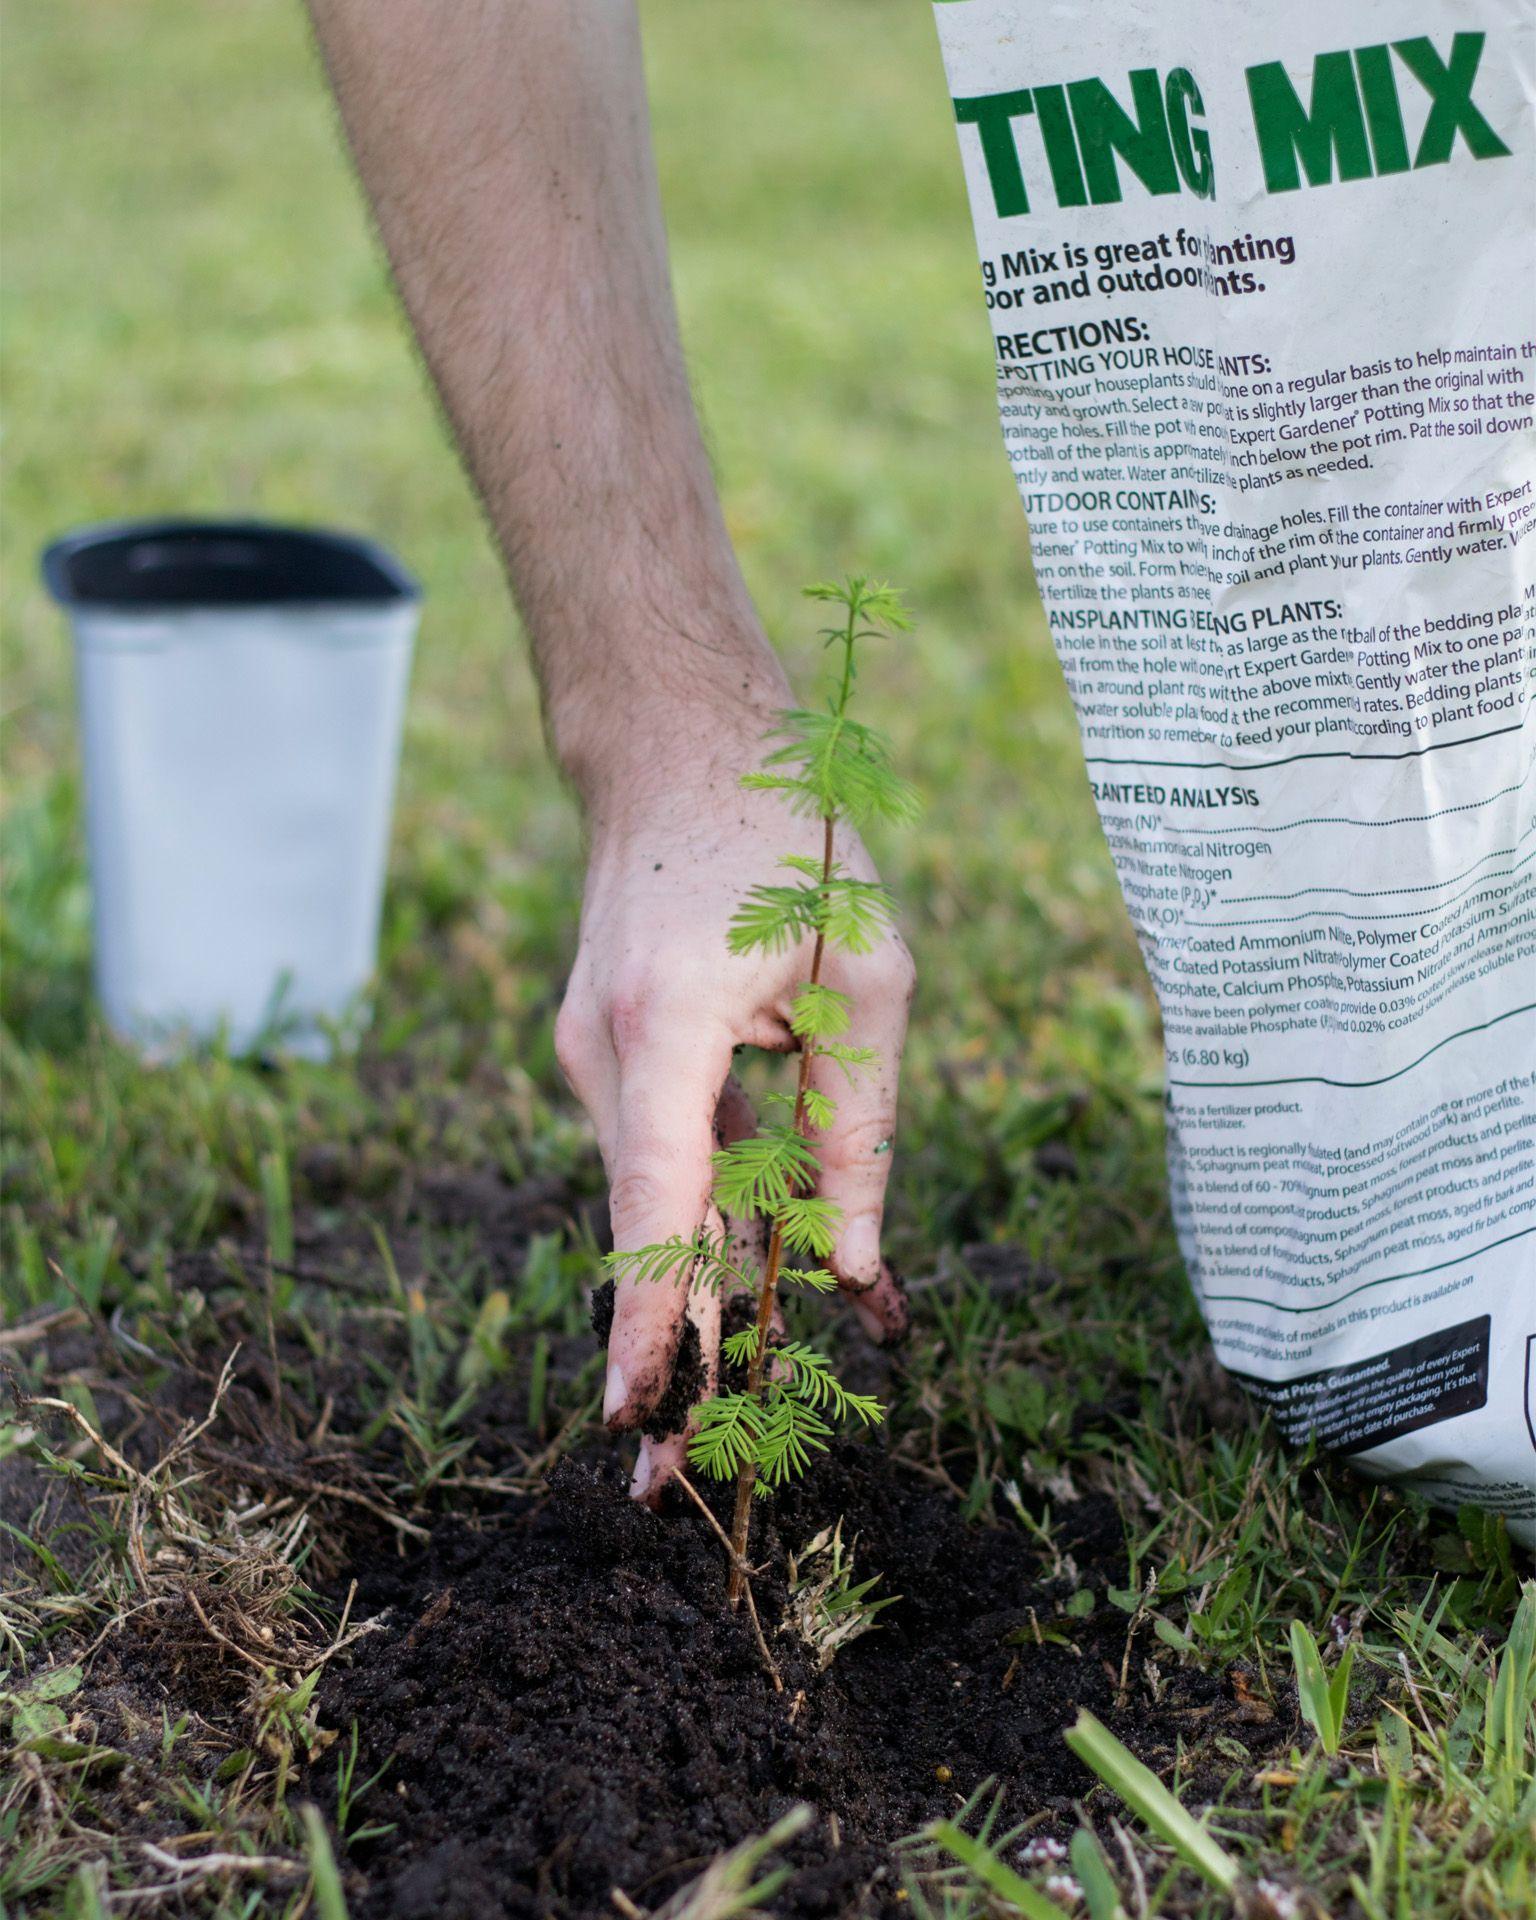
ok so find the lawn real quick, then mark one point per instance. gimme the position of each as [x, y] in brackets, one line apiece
[399, 1246]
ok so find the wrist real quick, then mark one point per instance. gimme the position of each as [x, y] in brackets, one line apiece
[680, 721]
[670, 765]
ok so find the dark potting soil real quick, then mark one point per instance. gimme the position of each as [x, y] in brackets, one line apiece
[559, 1700]
[563, 1705]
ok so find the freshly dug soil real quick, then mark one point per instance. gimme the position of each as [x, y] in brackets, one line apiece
[564, 1705]
[557, 1696]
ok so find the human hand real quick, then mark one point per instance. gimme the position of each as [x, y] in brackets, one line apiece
[655, 1008]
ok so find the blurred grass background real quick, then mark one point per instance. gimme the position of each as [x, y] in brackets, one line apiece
[198, 322]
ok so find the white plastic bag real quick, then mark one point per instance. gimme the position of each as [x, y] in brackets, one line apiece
[1263, 286]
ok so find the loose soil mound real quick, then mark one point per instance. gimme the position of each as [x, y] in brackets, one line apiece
[564, 1706]
[557, 1701]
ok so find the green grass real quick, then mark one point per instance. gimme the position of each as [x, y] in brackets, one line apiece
[196, 321]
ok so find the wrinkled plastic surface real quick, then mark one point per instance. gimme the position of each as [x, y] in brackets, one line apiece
[239, 765]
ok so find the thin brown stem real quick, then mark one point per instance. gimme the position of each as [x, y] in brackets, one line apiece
[746, 1478]
[739, 1571]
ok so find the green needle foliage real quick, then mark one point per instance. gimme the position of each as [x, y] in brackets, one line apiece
[835, 769]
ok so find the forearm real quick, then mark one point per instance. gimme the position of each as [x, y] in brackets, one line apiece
[505, 148]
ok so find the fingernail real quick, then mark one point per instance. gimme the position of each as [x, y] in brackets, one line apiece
[654, 1468]
[869, 1320]
[858, 1251]
[615, 1392]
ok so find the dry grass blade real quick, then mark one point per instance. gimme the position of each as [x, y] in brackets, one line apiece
[187, 1877]
[39, 1329]
[193, 1547]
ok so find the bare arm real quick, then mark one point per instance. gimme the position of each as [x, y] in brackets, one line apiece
[505, 147]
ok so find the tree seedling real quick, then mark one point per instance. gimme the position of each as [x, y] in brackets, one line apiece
[835, 769]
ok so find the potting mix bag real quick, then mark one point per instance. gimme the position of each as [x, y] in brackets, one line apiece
[1263, 287]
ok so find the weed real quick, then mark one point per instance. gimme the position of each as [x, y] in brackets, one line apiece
[349, 1791]
[958, 1869]
[828, 1608]
[1324, 1697]
[727, 1886]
